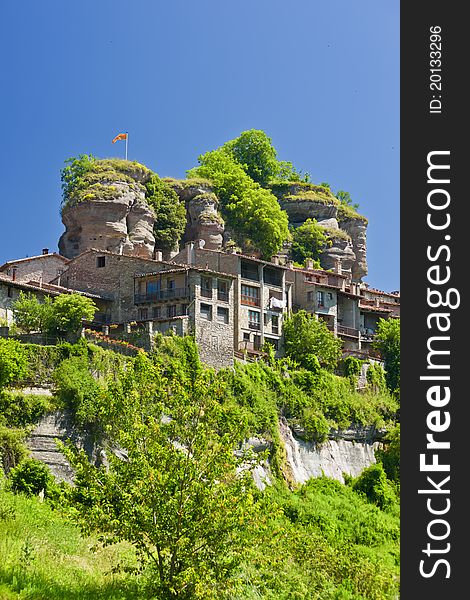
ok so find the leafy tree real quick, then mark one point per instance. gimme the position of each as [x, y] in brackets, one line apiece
[251, 212]
[30, 477]
[68, 311]
[372, 482]
[32, 315]
[387, 341]
[254, 151]
[305, 335]
[178, 495]
[308, 241]
[345, 198]
[170, 213]
[13, 362]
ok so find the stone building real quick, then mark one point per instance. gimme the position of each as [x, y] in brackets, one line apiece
[42, 268]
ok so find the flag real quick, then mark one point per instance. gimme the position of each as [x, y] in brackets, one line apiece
[120, 136]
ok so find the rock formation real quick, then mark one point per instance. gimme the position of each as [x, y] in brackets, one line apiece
[202, 209]
[346, 230]
[115, 217]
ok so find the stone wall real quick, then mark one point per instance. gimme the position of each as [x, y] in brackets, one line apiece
[38, 268]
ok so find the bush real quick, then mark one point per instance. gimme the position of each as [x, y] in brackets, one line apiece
[13, 362]
[372, 482]
[12, 447]
[30, 477]
[20, 410]
[308, 241]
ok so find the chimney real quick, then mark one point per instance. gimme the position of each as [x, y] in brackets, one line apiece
[190, 258]
[45, 251]
[158, 255]
[13, 273]
[275, 259]
[309, 264]
[338, 268]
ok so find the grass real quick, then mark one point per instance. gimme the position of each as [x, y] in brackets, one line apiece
[44, 557]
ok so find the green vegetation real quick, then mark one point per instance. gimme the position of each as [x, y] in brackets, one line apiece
[13, 362]
[308, 241]
[307, 338]
[387, 341]
[250, 211]
[193, 528]
[170, 213]
[63, 314]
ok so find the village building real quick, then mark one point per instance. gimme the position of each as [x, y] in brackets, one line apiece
[42, 268]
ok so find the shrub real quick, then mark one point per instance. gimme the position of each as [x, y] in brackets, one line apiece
[13, 362]
[12, 447]
[19, 410]
[308, 241]
[372, 482]
[170, 213]
[31, 476]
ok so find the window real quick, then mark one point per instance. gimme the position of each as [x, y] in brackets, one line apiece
[184, 309]
[222, 314]
[246, 336]
[171, 311]
[320, 299]
[206, 311]
[100, 261]
[273, 342]
[249, 271]
[206, 287]
[330, 296]
[254, 319]
[309, 296]
[170, 284]
[222, 290]
[157, 312]
[250, 295]
[143, 314]
[9, 294]
[265, 319]
[273, 276]
[275, 324]
[152, 286]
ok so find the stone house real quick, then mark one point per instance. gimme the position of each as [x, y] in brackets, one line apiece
[262, 294]
[42, 269]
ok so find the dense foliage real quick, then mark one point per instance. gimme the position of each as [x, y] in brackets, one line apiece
[308, 241]
[170, 213]
[199, 527]
[308, 341]
[387, 341]
[13, 362]
[251, 212]
[63, 314]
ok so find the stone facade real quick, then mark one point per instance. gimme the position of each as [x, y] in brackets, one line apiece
[42, 268]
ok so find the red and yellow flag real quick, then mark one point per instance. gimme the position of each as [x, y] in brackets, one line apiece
[120, 136]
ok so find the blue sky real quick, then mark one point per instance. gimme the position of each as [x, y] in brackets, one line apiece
[321, 78]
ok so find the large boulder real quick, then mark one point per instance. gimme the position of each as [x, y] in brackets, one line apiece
[116, 218]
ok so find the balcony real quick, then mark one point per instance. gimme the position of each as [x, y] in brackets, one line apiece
[250, 300]
[161, 295]
[254, 325]
[350, 331]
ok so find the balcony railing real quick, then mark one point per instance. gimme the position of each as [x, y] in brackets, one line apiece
[161, 295]
[348, 331]
[254, 325]
[250, 300]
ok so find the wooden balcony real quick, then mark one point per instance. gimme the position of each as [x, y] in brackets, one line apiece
[161, 295]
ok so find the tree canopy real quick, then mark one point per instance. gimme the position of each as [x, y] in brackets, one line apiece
[307, 337]
[308, 241]
[178, 492]
[387, 341]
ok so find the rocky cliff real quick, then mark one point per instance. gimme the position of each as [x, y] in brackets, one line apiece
[112, 214]
[346, 229]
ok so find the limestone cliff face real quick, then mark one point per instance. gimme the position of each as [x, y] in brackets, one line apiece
[202, 211]
[116, 219]
[306, 201]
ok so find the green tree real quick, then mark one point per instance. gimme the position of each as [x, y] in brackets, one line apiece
[73, 174]
[306, 336]
[178, 495]
[13, 362]
[68, 311]
[373, 483]
[254, 151]
[30, 477]
[32, 315]
[345, 198]
[170, 213]
[389, 456]
[251, 212]
[308, 241]
[387, 342]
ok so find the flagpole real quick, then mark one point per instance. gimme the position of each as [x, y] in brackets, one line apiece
[127, 137]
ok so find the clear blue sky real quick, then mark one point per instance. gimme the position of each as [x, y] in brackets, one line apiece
[321, 78]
